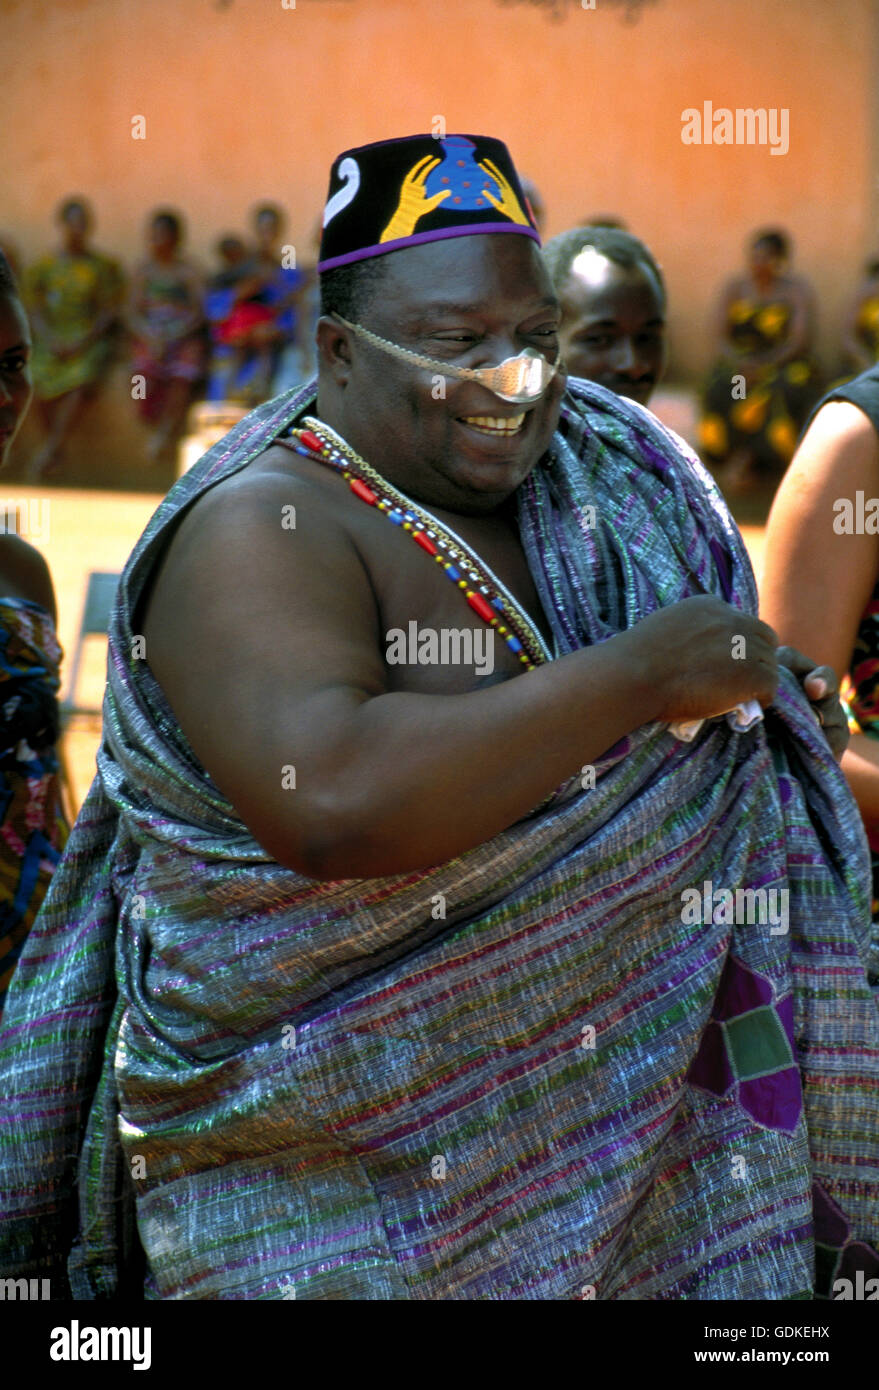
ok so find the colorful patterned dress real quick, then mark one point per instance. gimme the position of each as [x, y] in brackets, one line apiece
[240, 375]
[299, 358]
[767, 420]
[33, 831]
[167, 305]
[71, 293]
[235, 367]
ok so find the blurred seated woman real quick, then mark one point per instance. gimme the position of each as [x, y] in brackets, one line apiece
[244, 335]
[860, 339]
[821, 580]
[74, 298]
[166, 317]
[32, 827]
[760, 391]
[298, 359]
[277, 287]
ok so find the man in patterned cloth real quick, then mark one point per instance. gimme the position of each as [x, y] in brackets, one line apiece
[467, 879]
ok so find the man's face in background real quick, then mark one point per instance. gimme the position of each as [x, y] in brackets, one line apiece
[613, 325]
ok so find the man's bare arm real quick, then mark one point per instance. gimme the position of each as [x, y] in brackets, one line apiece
[267, 643]
[818, 577]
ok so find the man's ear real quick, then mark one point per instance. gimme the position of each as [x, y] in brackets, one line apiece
[334, 348]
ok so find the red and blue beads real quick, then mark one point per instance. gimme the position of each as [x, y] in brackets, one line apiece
[477, 595]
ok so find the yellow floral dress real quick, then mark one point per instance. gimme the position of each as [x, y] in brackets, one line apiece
[71, 293]
[766, 416]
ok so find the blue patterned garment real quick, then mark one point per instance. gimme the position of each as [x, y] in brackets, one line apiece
[33, 830]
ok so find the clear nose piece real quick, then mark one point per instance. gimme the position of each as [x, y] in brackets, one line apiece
[518, 379]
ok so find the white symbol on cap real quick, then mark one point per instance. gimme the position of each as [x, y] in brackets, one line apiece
[349, 171]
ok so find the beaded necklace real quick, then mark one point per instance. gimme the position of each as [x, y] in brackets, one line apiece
[486, 595]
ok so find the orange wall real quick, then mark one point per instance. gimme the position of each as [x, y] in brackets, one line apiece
[246, 99]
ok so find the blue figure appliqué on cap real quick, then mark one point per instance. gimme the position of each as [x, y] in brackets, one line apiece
[460, 174]
[419, 189]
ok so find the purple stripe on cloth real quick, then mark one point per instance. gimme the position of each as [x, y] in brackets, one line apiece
[662, 466]
[721, 559]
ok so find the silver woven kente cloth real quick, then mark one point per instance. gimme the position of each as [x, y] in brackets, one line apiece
[223, 1080]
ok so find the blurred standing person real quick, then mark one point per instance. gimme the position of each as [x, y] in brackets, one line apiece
[764, 382]
[861, 332]
[613, 304]
[281, 287]
[237, 320]
[298, 361]
[74, 297]
[821, 580]
[32, 827]
[166, 317]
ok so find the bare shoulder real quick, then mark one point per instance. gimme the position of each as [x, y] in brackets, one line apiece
[821, 560]
[261, 620]
[840, 449]
[25, 574]
[837, 459]
[267, 541]
[272, 495]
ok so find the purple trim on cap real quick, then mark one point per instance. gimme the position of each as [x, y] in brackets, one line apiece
[441, 234]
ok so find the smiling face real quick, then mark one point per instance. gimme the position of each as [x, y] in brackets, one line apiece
[470, 301]
[15, 381]
[613, 325]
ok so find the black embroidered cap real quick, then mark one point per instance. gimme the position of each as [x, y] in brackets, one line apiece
[397, 193]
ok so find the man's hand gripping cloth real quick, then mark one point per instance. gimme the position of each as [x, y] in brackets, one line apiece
[534, 1072]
